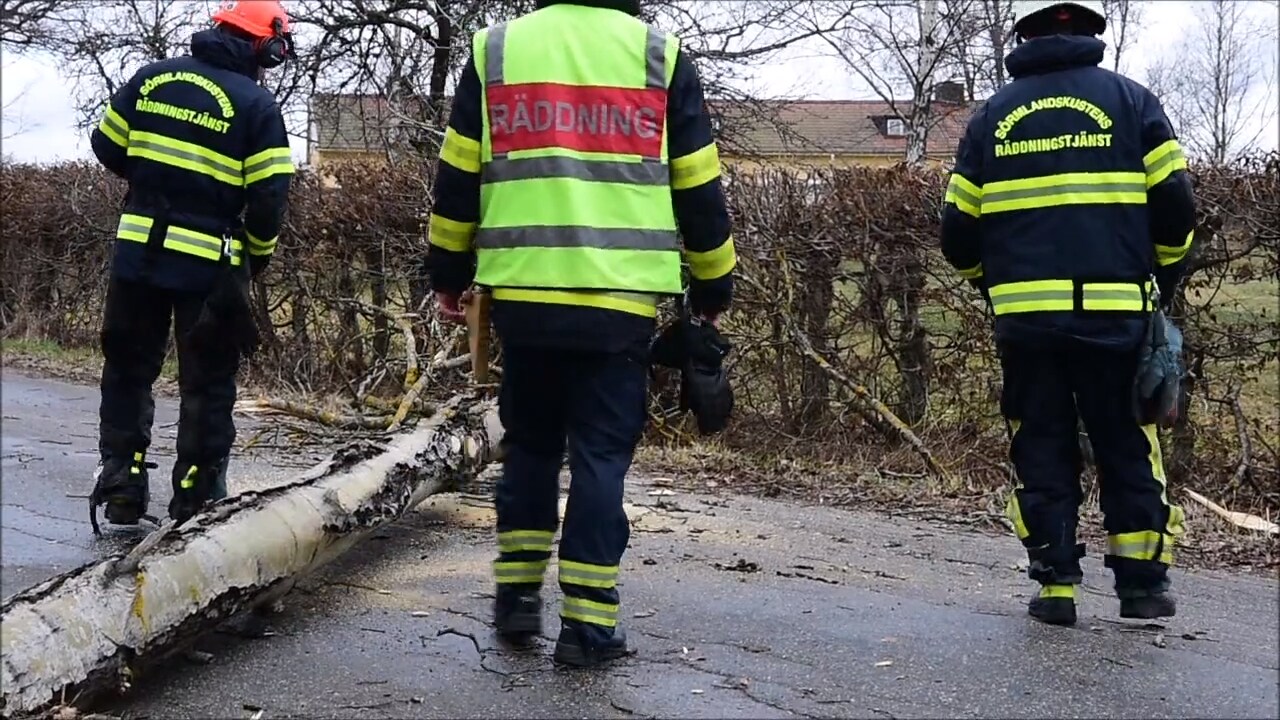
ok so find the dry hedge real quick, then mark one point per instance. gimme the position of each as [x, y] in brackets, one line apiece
[843, 297]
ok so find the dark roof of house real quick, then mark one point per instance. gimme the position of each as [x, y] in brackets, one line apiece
[358, 122]
[837, 127]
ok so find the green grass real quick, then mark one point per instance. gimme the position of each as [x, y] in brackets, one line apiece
[83, 359]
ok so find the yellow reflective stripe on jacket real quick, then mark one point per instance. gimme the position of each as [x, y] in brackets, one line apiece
[1166, 255]
[1142, 545]
[1064, 189]
[712, 264]
[590, 611]
[272, 161]
[966, 196]
[261, 247]
[517, 540]
[697, 168]
[185, 155]
[1059, 296]
[115, 127]
[460, 151]
[136, 228]
[641, 304]
[450, 234]
[519, 573]
[1164, 161]
[972, 273]
[588, 575]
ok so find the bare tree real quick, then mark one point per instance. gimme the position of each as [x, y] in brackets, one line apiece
[1123, 16]
[1218, 82]
[22, 22]
[99, 45]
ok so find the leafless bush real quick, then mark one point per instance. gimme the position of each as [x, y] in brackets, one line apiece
[823, 365]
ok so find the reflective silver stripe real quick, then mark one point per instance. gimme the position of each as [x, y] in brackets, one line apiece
[1134, 294]
[1051, 190]
[1168, 159]
[958, 190]
[503, 169]
[215, 167]
[494, 43]
[575, 236]
[191, 239]
[1030, 295]
[109, 120]
[655, 57]
[267, 163]
[130, 226]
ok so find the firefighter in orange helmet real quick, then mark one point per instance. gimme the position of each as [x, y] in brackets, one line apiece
[204, 149]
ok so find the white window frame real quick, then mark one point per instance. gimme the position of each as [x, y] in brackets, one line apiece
[891, 123]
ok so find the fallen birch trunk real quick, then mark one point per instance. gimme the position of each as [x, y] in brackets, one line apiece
[89, 630]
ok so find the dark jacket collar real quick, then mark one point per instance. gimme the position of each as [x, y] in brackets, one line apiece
[225, 51]
[631, 7]
[1055, 52]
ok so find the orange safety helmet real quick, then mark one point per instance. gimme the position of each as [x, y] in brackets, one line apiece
[256, 17]
[266, 22]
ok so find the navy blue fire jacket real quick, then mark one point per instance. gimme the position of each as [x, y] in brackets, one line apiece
[1070, 193]
[205, 152]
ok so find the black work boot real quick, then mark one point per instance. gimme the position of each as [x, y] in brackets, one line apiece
[517, 613]
[1148, 606]
[1056, 605]
[579, 647]
[121, 484]
[194, 486]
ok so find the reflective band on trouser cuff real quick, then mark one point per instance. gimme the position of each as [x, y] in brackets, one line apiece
[587, 575]
[1163, 161]
[655, 57]
[185, 155]
[450, 234]
[115, 127]
[504, 169]
[261, 247]
[590, 611]
[1065, 189]
[135, 228]
[517, 540]
[523, 572]
[273, 161]
[695, 169]
[966, 196]
[1058, 591]
[1059, 296]
[635, 303]
[576, 236]
[1142, 545]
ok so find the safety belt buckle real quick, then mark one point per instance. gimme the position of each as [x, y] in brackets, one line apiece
[226, 245]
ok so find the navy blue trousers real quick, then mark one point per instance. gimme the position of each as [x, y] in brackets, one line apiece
[593, 404]
[1046, 392]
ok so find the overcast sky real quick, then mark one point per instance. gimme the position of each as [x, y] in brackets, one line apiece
[44, 116]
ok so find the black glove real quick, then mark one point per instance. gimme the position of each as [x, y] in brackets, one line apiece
[258, 263]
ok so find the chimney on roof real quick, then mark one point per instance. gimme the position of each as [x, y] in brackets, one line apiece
[948, 91]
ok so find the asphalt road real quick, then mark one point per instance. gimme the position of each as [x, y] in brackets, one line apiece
[737, 607]
[49, 446]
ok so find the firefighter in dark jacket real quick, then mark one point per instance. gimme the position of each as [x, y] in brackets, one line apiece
[204, 150]
[1069, 196]
[577, 157]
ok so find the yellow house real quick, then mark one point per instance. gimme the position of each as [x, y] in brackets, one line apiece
[772, 133]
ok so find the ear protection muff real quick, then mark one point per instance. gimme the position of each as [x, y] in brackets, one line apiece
[273, 51]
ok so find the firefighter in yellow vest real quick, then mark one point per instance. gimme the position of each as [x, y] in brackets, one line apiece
[577, 159]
